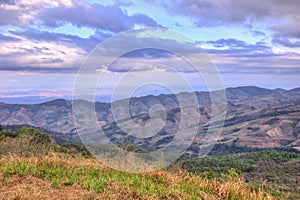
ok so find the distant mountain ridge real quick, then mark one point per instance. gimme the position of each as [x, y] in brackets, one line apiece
[247, 123]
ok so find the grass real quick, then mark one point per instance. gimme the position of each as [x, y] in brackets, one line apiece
[32, 166]
[92, 180]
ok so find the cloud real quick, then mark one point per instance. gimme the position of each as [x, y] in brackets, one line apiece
[76, 12]
[85, 43]
[148, 53]
[144, 48]
[239, 57]
[237, 48]
[10, 2]
[21, 93]
[10, 17]
[285, 42]
[24, 12]
[111, 17]
[231, 42]
[145, 20]
[40, 56]
[258, 33]
[280, 16]
[33, 46]
[43, 51]
[8, 38]
[231, 55]
[212, 13]
[52, 60]
[170, 63]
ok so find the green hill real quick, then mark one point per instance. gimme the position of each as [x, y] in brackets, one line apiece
[32, 166]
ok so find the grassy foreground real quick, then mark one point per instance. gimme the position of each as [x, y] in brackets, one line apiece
[57, 176]
[32, 166]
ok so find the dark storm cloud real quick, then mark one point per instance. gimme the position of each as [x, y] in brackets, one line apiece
[280, 16]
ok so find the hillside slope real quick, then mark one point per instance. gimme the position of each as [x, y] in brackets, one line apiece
[256, 118]
[52, 174]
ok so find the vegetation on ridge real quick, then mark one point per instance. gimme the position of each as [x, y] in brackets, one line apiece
[56, 175]
[276, 171]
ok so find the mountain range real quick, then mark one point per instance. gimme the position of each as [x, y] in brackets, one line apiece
[256, 118]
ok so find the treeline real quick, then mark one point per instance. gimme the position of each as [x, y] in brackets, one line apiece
[275, 170]
[30, 141]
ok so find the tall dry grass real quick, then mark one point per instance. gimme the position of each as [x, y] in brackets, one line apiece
[60, 176]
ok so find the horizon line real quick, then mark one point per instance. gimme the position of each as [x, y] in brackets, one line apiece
[141, 96]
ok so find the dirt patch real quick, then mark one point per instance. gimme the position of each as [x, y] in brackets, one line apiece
[15, 187]
[275, 132]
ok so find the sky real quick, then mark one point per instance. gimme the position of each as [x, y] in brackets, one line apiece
[44, 43]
